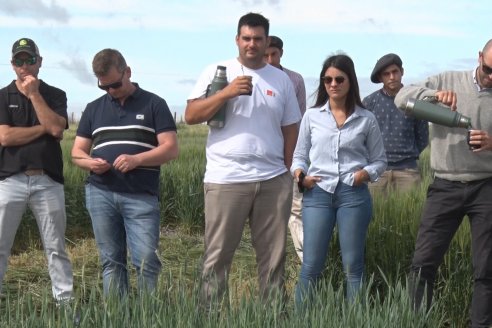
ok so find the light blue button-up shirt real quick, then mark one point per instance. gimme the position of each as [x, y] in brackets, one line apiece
[335, 154]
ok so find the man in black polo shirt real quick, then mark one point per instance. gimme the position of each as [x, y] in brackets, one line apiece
[129, 133]
[33, 116]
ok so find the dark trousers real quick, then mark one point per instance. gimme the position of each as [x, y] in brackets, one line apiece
[446, 205]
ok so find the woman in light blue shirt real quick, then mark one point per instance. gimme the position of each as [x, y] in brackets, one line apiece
[338, 151]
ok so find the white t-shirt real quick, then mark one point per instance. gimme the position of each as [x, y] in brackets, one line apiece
[250, 146]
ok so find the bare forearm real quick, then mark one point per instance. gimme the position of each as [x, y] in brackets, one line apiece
[18, 136]
[201, 110]
[165, 152]
[53, 123]
[157, 156]
[81, 158]
[290, 139]
[287, 161]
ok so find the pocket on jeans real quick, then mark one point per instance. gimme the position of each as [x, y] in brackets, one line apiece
[355, 195]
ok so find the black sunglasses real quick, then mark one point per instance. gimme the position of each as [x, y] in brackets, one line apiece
[486, 69]
[20, 62]
[329, 79]
[115, 85]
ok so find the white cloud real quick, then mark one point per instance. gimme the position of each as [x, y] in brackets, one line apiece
[188, 34]
[78, 68]
[37, 10]
[412, 17]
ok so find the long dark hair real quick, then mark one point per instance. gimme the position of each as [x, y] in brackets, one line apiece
[346, 65]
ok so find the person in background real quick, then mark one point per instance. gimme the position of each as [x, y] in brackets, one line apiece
[339, 150]
[123, 138]
[404, 137]
[246, 176]
[462, 183]
[273, 54]
[33, 117]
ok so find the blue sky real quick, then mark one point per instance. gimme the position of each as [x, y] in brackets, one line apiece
[168, 43]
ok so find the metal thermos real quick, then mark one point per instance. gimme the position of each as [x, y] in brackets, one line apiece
[427, 111]
[218, 83]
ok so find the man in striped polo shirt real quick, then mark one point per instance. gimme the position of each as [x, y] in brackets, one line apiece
[123, 138]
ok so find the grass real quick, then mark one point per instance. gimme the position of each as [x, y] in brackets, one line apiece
[384, 302]
[176, 303]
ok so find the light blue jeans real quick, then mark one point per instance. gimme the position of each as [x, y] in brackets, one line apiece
[350, 209]
[46, 199]
[120, 220]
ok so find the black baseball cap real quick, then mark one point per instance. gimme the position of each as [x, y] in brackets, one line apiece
[25, 45]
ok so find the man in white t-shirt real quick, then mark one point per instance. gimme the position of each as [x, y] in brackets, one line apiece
[247, 174]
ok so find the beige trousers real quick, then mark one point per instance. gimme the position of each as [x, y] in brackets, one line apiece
[227, 209]
[396, 180]
[295, 220]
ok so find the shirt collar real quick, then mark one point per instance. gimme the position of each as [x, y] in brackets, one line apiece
[383, 90]
[134, 94]
[325, 108]
[475, 81]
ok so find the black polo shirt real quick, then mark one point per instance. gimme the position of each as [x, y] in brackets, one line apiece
[16, 110]
[128, 129]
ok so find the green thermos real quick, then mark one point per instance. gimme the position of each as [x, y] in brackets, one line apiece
[219, 82]
[428, 111]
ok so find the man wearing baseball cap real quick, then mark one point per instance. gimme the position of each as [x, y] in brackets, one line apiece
[25, 45]
[404, 137]
[33, 116]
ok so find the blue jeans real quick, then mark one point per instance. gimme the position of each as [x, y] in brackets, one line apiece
[118, 220]
[350, 208]
[46, 199]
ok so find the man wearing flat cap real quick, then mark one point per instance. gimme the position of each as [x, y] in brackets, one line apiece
[273, 53]
[33, 116]
[404, 137]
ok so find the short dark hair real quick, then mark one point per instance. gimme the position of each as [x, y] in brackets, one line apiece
[107, 58]
[276, 42]
[254, 20]
[346, 65]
